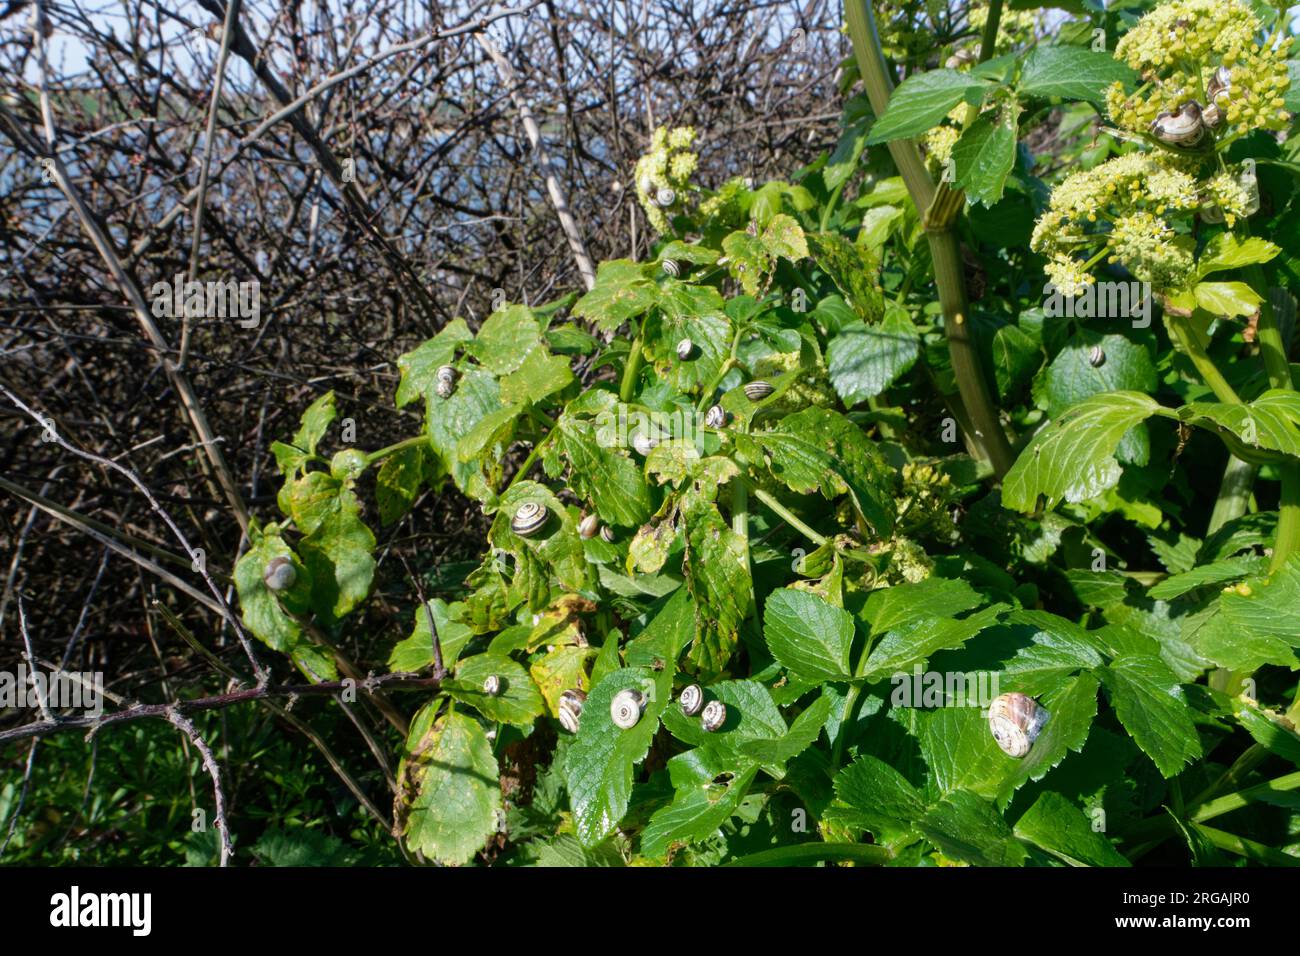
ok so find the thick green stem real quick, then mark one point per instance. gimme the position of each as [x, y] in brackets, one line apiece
[631, 371]
[1192, 342]
[944, 249]
[786, 515]
[989, 41]
[405, 443]
[1234, 493]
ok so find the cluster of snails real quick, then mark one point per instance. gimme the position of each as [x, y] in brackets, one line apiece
[590, 524]
[712, 715]
[1016, 720]
[446, 381]
[1187, 125]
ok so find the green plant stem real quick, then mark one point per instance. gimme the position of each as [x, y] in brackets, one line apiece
[989, 41]
[786, 515]
[631, 371]
[1247, 848]
[402, 445]
[944, 249]
[1234, 493]
[831, 202]
[1195, 346]
[532, 457]
[815, 853]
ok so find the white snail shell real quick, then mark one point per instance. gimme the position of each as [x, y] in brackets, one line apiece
[713, 716]
[446, 381]
[643, 443]
[626, 707]
[607, 534]
[588, 526]
[686, 350]
[665, 197]
[715, 417]
[279, 574]
[570, 708]
[529, 518]
[492, 685]
[756, 391]
[1096, 357]
[672, 268]
[1016, 721]
[1183, 128]
[960, 58]
[691, 699]
[1219, 87]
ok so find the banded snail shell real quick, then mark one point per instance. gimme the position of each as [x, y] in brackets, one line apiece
[529, 519]
[446, 373]
[672, 267]
[665, 197]
[715, 417]
[446, 381]
[280, 574]
[713, 716]
[757, 391]
[1182, 128]
[1016, 720]
[1211, 116]
[626, 708]
[643, 443]
[691, 699]
[686, 350]
[960, 58]
[1218, 90]
[752, 228]
[492, 685]
[607, 534]
[570, 709]
[588, 526]
[1096, 357]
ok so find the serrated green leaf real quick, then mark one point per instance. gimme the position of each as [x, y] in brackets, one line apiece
[1217, 572]
[507, 337]
[450, 795]
[518, 702]
[1227, 298]
[699, 804]
[398, 482]
[540, 376]
[967, 828]
[622, 292]
[1271, 421]
[864, 360]
[1072, 73]
[1072, 377]
[922, 101]
[1072, 708]
[1060, 828]
[915, 641]
[877, 798]
[984, 155]
[419, 367]
[416, 652]
[1226, 251]
[1150, 704]
[808, 636]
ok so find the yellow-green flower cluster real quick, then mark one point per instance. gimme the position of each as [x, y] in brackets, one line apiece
[1228, 198]
[1177, 48]
[667, 166]
[1121, 211]
[1015, 29]
[923, 504]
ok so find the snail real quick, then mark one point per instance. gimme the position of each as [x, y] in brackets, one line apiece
[713, 716]
[1016, 721]
[529, 519]
[715, 417]
[757, 391]
[446, 377]
[960, 58]
[1096, 357]
[673, 268]
[626, 707]
[643, 443]
[570, 709]
[752, 228]
[492, 685]
[665, 197]
[1183, 128]
[607, 534]
[1217, 91]
[691, 699]
[1211, 116]
[686, 350]
[280, 574]
[588, 526]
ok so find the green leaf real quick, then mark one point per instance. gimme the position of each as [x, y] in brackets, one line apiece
[1073, 457]
[506, 338]
[854, 270]
[688, 312]
[1071, 378]
[1072, 707]
[338, 552]
[419, 367]
[1217, 572]
[1072, 73]
[1271, 730]
[1060, 828]
[598, 766]
[915, 641]
[820, 450]
[1271, 421]
[877, 798]
[448, 420]
[808, 636]
[1272, 608]
[416, 652]
[449, 791]
[540, 376]
[316, 420]
[612, 482]
[718, 575]
[1016, 356]
[1226, 251]
[865, 360]
[490, 437]
[747, 260]
[519, 702]
[670, 630]
[399, 481]
[260, 610]
[783, 237]
[1150, 704]
[803, 734]
[751, 715]
[622, 292]
[964, 827]
[1227, 298]
[699, 804]
[853, 140]
[984, 155]
[904, 604]
[922, 101]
